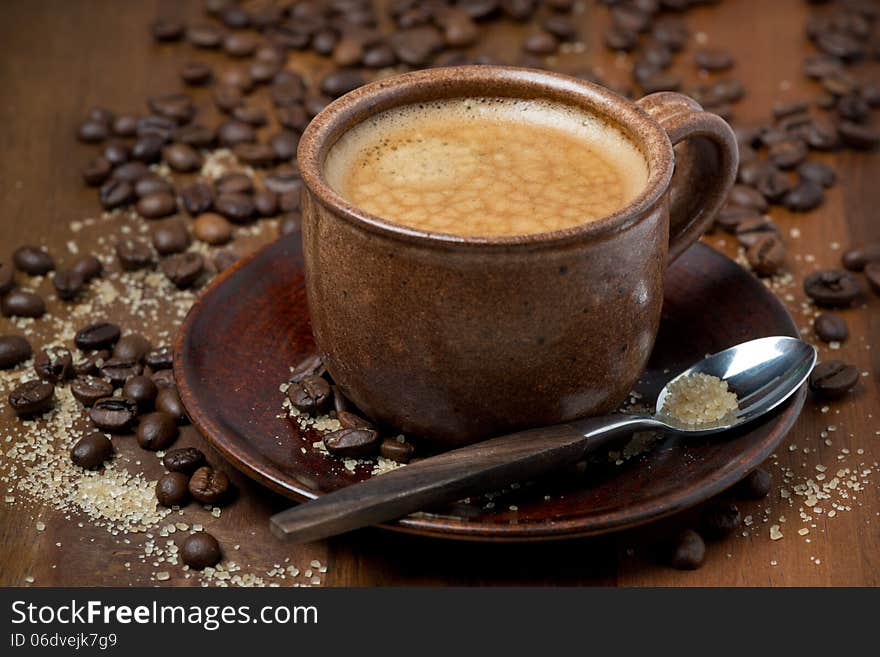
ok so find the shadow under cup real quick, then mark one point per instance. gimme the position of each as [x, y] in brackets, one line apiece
[451, 339]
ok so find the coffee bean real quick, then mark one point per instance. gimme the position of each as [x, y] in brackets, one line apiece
[250, 114]
[289, 201]
[804, 196]
[160, 358]
[266, 203]
[196, 73]
[130, 173]
[197, 198]
[115, 193]
[96, 171]
[352, 443]
[311, 394]
[324, 42]
[97, 336]
[312, 365]
[284, 144]
[177, 107]
[141, 390]
[853, 107]
[263, 72]
[7, 278]
[620, 38]
[163, 379]
[134, 254]
[19, 303]
[687, 551]
[67, 284]
[748, 197]
[416, 45]
[170, 236]
[315, 103]
[834, 287]
[125, 125]
[91, 451]
[750, 172]
[238, 208]
[231, 133]
[152, 185]
[156, 431]
[239, 44]
[254, 155]
[195, 135]
[200, 551]
[113, 414]
[287, 89]
[183, 459]
[379, 56]
[161, 126]
[119, 370]
[183, 269]
[89, 389]
[348, 52]
[172, 489]
[91, 363]
[54, 364]
[720, 519]
[817, 172]
[168, 401]
[754, 486]
[148, 148]
[342, 81]
[212, 229]
[858, 136]
[166, 29]
[833, 378]
[349, 420]
[32, 398]
[33, 260]
[116, 152]
[872, 274]
[830, 327]
[856, 258]
[393, 449]
[209, 486]
[14, 350]
[774, 185]
[713, 59]
[788, 153]
[227, 97]
[182, 158]
[88, 267]
[234, 182]
[731, 216]
[751, 231]
[285, 179]
[92, 132]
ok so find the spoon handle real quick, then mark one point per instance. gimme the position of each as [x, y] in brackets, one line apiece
[484, 466]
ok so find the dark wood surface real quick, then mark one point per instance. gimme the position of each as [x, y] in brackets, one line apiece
[61, 58]
[261, 305]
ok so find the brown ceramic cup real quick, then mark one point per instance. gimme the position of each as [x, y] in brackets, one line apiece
[452, 339]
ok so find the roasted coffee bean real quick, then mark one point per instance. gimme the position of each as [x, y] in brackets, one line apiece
[166, 29]
[101, 115]
[91, 451]
[161, 126]
[856, 258]
[97, 336]
[379, 56]
[352, 443]
[342, 81]
[748, 197]
[238, 208]
[250, 114]
[234, 182]
[172, 489]
[720, 519]
[289, 201]
[853, 107]
[91, 363]
[96, 171]
[231, 133]
[132, 346]
[858, 136]
[160, 358]
[88, 267]
[774, 185]
[130, 173]
[661, 81]
[237, 78]
[263, 72]
[834, 287]
[134, 254]
[142, 390]
[54, 364]
[7, 278]
[285, 179]
[157, 431]
[89, 389]
[93, 132]
[168, 401]
[287, 89]
[119, 370]
[209, 486]
[755, 485]
[284, 144]
[196, 73]
[290, 223]
[872, 274]
[171, 236]
[116, 152]
[687, 551]
[125, 125]
[830, 327]
[416, 45]
[315, 103]
[311, 394]
[266, 203]
[312, 365]
[227, 97]
[67, 284]
[239, 44]
[751, 231]
[113, 414]
[197, 198]
[713, 59]
[348, 52]
[14, 350]
[148, 148]
[804, 196]
[200, 551]
[752, 171]
[183, 459]
[195, 135]
[183, 269]
[817, 172]
[19, 303]
[254, 155]
[212, 229]
[349, 420]
[833, 378]
[620, 38]
[33, 260]
[115, 193]
[163, 379]
[767, 255]
[788, 153]
[393, 449]
[32, 398]
[324, 42]
[182, 158]
[177, 107]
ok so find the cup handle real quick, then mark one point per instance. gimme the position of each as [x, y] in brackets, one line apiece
[706, 159]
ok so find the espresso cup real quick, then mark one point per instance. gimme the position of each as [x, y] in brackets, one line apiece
[452, 339]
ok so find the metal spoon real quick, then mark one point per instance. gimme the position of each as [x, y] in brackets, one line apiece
[763, 373]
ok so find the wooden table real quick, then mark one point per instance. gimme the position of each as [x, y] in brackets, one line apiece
[61, 58]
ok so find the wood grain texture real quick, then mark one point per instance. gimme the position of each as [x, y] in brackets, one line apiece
[61, 58]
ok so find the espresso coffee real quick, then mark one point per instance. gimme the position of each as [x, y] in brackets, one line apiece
[486, 167]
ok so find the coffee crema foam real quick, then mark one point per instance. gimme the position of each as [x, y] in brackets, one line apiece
[486, 167]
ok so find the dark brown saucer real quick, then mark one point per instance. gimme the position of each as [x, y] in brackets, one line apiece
[239, 340]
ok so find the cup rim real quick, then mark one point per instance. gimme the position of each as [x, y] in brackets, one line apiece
[335, 119]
